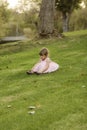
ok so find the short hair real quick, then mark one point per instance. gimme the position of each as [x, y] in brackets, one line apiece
[44, 51]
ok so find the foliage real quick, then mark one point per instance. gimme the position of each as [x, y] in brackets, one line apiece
[15, 21]
[4, 16]
[27, 11]
[26, 5]
[30, 17]
[78, 20]
[85, 2]
[67, 7]
[30, 33]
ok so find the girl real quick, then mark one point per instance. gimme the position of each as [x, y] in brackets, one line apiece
[45, 65]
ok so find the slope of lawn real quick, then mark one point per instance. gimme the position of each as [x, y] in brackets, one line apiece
[60, 98]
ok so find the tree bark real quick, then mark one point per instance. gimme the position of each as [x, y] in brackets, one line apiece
[66, 18]
[65, 22]
[46, 22]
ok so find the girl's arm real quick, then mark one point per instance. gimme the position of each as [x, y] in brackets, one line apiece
[45, 67]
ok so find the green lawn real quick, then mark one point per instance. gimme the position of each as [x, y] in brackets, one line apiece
[60, 98]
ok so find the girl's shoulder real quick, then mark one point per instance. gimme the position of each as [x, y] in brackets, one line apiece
[48, 59]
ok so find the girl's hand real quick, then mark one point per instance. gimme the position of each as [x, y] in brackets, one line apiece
[39, 72]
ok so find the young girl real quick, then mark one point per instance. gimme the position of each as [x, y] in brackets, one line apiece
[45, 65]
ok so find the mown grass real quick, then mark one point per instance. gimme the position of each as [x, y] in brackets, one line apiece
[60, 98]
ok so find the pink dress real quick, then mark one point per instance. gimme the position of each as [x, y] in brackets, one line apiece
[41, 65]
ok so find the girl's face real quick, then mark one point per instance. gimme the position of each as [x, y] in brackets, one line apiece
[43, 57]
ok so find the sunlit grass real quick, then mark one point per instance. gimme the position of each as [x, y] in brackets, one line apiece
[59, 97]
[76, 33]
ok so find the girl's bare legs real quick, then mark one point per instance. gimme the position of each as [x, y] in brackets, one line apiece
[34, 69]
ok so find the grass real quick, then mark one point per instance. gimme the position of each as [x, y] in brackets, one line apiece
[60, 98]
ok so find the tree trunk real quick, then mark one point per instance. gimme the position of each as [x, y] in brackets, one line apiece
[46, 22]
[65, 22]
[17, 30]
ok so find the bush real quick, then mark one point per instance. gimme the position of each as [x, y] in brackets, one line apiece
[28, 32]
[78, 20]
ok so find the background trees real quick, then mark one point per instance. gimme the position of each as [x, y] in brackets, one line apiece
[78, 20]
[38, 16]
[4, 16]
[66, 7]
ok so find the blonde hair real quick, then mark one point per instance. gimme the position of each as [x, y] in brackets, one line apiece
[44, 51]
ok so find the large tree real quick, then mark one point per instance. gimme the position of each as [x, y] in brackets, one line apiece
[67, 7]
[46, 21]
